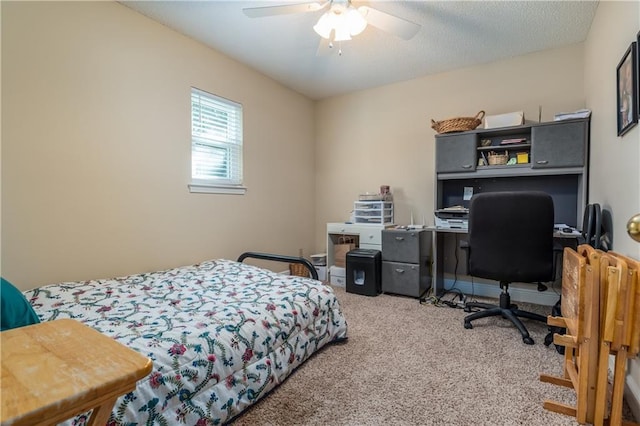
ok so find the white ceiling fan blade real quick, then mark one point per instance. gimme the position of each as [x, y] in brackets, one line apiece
[285, 9]
[389, 23]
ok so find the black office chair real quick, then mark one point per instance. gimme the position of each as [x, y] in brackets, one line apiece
[592, 226]
[510, 240]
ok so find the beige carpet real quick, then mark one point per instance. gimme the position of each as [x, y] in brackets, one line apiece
[411, 364]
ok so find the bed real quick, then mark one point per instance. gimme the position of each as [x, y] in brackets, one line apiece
[221, 334]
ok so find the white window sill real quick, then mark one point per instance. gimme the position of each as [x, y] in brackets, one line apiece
[217, 189]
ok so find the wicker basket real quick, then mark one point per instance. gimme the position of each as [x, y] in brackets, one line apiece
[497, 159]
[458, 124]
[299, 270]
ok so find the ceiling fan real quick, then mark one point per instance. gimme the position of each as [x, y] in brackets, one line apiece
[341, 19]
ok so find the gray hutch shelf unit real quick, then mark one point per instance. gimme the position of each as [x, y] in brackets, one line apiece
[552, 157]
[558, 164]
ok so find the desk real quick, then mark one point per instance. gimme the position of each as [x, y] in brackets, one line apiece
[55, 370]
[368, 236]
[438, 286]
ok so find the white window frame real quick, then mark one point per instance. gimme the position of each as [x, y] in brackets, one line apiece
[216, 141]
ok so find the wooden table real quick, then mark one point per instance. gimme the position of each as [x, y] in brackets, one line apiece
[55, 370]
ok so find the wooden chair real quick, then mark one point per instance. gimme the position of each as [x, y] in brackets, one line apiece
[601, 312]
[620, 335]
[580, 317]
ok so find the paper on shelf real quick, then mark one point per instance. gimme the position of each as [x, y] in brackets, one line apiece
[455, 209]
[565, 229]
[581, 113]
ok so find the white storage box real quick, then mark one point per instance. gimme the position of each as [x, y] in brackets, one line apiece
[337, 276]
[380, 212]
[322, 272]
[504, 120]
[319, 259]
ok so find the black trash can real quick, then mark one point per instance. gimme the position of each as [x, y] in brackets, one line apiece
[363, 272]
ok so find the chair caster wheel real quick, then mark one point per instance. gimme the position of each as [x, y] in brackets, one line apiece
[467, 309]
[527, 340]
[468, 325]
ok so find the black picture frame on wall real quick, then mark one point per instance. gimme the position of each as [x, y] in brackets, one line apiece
[627, 90]
[638, 75]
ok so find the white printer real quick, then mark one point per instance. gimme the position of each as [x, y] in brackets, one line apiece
[456, 217]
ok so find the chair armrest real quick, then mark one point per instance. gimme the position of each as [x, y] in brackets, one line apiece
[466, 248]
[557, 257]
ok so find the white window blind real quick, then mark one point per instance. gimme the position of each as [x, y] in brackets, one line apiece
[216, 143]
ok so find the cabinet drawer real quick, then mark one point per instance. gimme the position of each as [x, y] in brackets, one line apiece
[370, 246]
[341, 228]
[404, 246]
[371, 236]
[372, 205]
[404, 278]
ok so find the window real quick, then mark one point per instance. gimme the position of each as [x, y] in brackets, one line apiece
[216, 144]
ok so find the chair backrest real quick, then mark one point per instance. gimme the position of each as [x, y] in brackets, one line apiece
[592, 226]
[588, 223]
[511, 236]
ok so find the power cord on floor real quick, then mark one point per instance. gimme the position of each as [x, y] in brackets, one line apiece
[455, 268]
[453, 289]
[430, 299]
[453, 304]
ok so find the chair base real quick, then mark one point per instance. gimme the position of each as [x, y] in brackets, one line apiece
[506, 310]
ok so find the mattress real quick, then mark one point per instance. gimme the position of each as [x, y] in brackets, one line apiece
[221, 334]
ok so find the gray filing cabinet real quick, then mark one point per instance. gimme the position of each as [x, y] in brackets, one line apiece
[406, 259]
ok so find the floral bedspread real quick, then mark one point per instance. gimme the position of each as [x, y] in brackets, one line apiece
[221, 334]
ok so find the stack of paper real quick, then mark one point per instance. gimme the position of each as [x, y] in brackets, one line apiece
[581, 113]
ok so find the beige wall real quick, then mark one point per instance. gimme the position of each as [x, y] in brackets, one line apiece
[96, 149]
[615, 171]
[384, 135]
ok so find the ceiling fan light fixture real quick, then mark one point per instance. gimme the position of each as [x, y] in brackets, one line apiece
[355, 21]
[325, 25]
[342, 34]
[343, 21]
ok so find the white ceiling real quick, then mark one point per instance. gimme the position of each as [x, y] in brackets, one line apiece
[453, 34]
